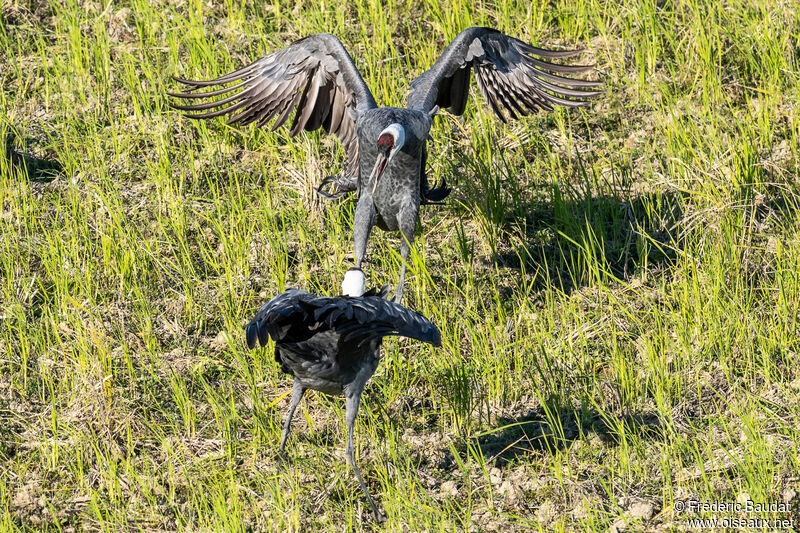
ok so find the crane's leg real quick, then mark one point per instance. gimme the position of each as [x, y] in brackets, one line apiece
[362, 225]
[297, 395]
[405, 248]
[408, 228]
[352, 401]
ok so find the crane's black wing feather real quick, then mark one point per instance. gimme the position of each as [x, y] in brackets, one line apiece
[315, 75]
[507, 75]
[374, 317]
[294, 316]
[285, 318]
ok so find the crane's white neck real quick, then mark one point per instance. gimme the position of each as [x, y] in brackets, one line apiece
[354, 283]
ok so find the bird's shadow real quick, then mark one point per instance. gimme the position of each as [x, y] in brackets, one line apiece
[546, 430]
[18, 155]
[568, 232]
[582, 227]
[575, 242]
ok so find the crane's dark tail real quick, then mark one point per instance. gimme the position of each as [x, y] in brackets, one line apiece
[436, 194]
[256, 332]
[339, 186]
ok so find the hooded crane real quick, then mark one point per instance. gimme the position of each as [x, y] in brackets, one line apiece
[386, 146]
[333, 344]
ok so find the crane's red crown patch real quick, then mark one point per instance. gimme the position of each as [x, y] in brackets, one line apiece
[386, 141]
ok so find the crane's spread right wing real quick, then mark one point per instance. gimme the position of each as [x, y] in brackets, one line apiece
[372, 316]
[316, 75]
[507, 74]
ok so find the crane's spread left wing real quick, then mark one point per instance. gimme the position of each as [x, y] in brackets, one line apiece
[508, 75]
[285, 318]
[316, 75]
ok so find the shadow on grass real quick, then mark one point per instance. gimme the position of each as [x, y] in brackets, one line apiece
[579, 230]
[549, 431]
[575, 242]
[36, 168]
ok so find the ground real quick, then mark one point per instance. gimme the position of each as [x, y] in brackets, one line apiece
[617, 287]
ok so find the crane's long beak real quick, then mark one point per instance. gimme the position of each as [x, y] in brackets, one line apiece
[380, 165]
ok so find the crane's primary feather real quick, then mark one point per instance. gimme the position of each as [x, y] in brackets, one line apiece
[508, 76]
[315, 75]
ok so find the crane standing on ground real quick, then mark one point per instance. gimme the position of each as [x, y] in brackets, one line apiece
[386, 146]
[333, 344]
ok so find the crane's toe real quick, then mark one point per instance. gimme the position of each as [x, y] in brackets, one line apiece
[337, 187]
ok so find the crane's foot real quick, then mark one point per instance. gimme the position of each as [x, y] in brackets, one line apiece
[377, 513]
[326, 494]
[338, 186]
[379, 516]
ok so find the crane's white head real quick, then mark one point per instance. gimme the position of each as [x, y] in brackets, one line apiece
[354, 283]
[390, 141]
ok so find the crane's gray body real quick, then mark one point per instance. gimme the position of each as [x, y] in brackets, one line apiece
[402, 182]
[333, 344]
[317, 77]
[394, 205]
[318, 363]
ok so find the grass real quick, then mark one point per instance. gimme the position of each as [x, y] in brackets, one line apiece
[617, 288]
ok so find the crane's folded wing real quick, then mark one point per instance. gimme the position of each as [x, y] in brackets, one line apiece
[294, 316]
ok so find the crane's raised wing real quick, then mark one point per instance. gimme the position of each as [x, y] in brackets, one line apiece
[507, 73]
[315, 75]
[294, 316]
